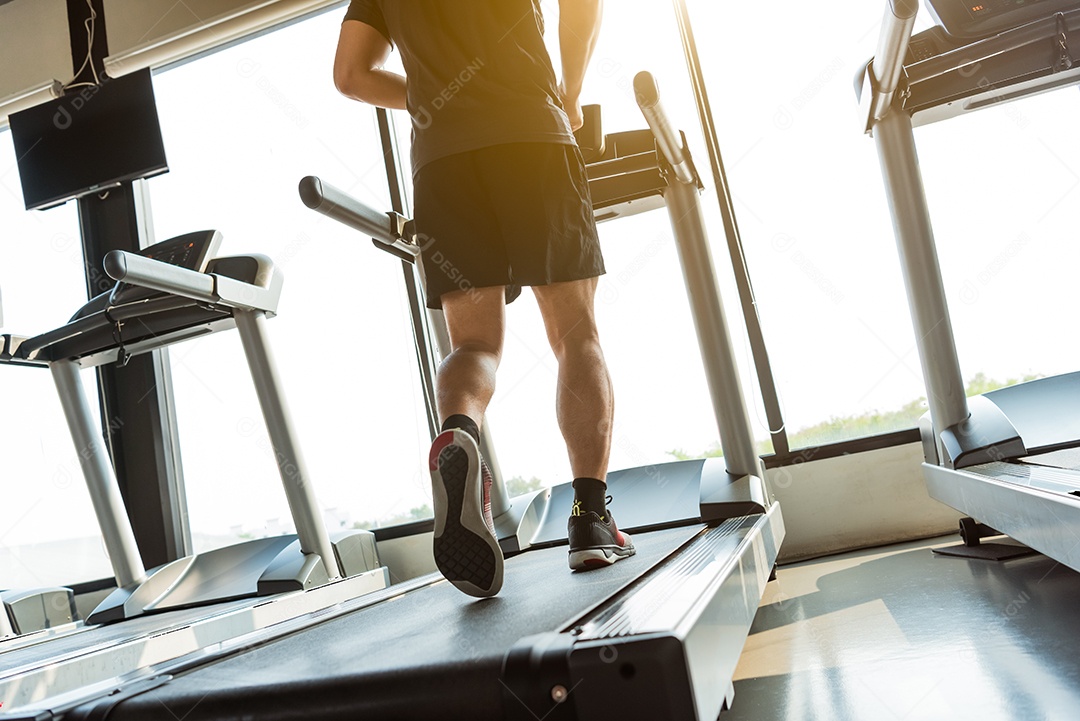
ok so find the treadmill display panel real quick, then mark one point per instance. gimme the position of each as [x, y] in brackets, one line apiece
[191, 250]
[972, 19]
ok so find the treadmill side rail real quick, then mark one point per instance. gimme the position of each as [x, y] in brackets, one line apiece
[682, 626]
[1008, 497]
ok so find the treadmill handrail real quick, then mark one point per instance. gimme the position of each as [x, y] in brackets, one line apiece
[699, 274]
[888, 63]
[127, 267]
[211, 287]
[388, 229]
[880, 77]
[668, 140]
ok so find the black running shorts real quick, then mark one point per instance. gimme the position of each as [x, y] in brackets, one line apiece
[507, 215]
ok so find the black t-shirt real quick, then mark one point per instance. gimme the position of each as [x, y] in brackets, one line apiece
[478, 72]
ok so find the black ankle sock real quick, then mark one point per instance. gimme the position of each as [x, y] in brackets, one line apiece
[464, 423]
[590, 494]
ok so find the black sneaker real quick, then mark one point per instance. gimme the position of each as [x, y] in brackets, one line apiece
[595, 541]
[466, 549]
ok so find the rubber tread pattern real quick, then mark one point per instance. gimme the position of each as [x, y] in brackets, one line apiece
[460, 554]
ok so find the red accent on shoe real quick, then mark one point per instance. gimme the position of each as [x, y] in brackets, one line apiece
[485, 484]
[621, 538]
[441, 441]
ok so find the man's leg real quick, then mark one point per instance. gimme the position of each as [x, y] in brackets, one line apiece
[466, 379]
[584, 402]
[466, 550]
[585, 407]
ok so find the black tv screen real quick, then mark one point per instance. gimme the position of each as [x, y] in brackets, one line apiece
[88, 140]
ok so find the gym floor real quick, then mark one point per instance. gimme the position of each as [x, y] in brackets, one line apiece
[902, 633]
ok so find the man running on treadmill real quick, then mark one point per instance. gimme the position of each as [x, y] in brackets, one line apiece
[501, 202]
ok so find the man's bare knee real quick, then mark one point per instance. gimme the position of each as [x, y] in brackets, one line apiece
[567, 309]
[475, 319]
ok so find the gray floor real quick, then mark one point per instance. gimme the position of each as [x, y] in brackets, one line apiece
[900, 633]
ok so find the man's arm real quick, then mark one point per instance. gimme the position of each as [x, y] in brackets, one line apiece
[579, 27]
[358, 72]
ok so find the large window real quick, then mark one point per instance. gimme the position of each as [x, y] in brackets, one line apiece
[818, 237]
[49, 534]
[812, 211]
[1003, 187]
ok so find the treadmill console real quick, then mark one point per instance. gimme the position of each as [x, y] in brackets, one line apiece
[973, 19]
[192, 250]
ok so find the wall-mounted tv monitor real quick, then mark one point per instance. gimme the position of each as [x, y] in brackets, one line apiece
[89, 140]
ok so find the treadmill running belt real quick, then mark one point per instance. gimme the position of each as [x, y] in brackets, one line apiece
[1067, 458]
[433, 653]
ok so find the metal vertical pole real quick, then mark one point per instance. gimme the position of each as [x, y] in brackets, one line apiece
[692, 240]
[137, 399]
[294, 474]
[729, 406]
[894, 137]
[104, 492]
[413, 280]
[922, 273]
[758, 349]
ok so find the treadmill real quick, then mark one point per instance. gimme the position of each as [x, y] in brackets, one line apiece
[660, 632]
[169, 292]
[1010, 458]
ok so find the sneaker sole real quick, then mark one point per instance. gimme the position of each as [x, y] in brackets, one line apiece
[597, 557]
[465, 552]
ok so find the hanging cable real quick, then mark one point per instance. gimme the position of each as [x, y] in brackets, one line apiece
[90, 25]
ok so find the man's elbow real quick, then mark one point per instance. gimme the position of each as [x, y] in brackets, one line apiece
[352, 83]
